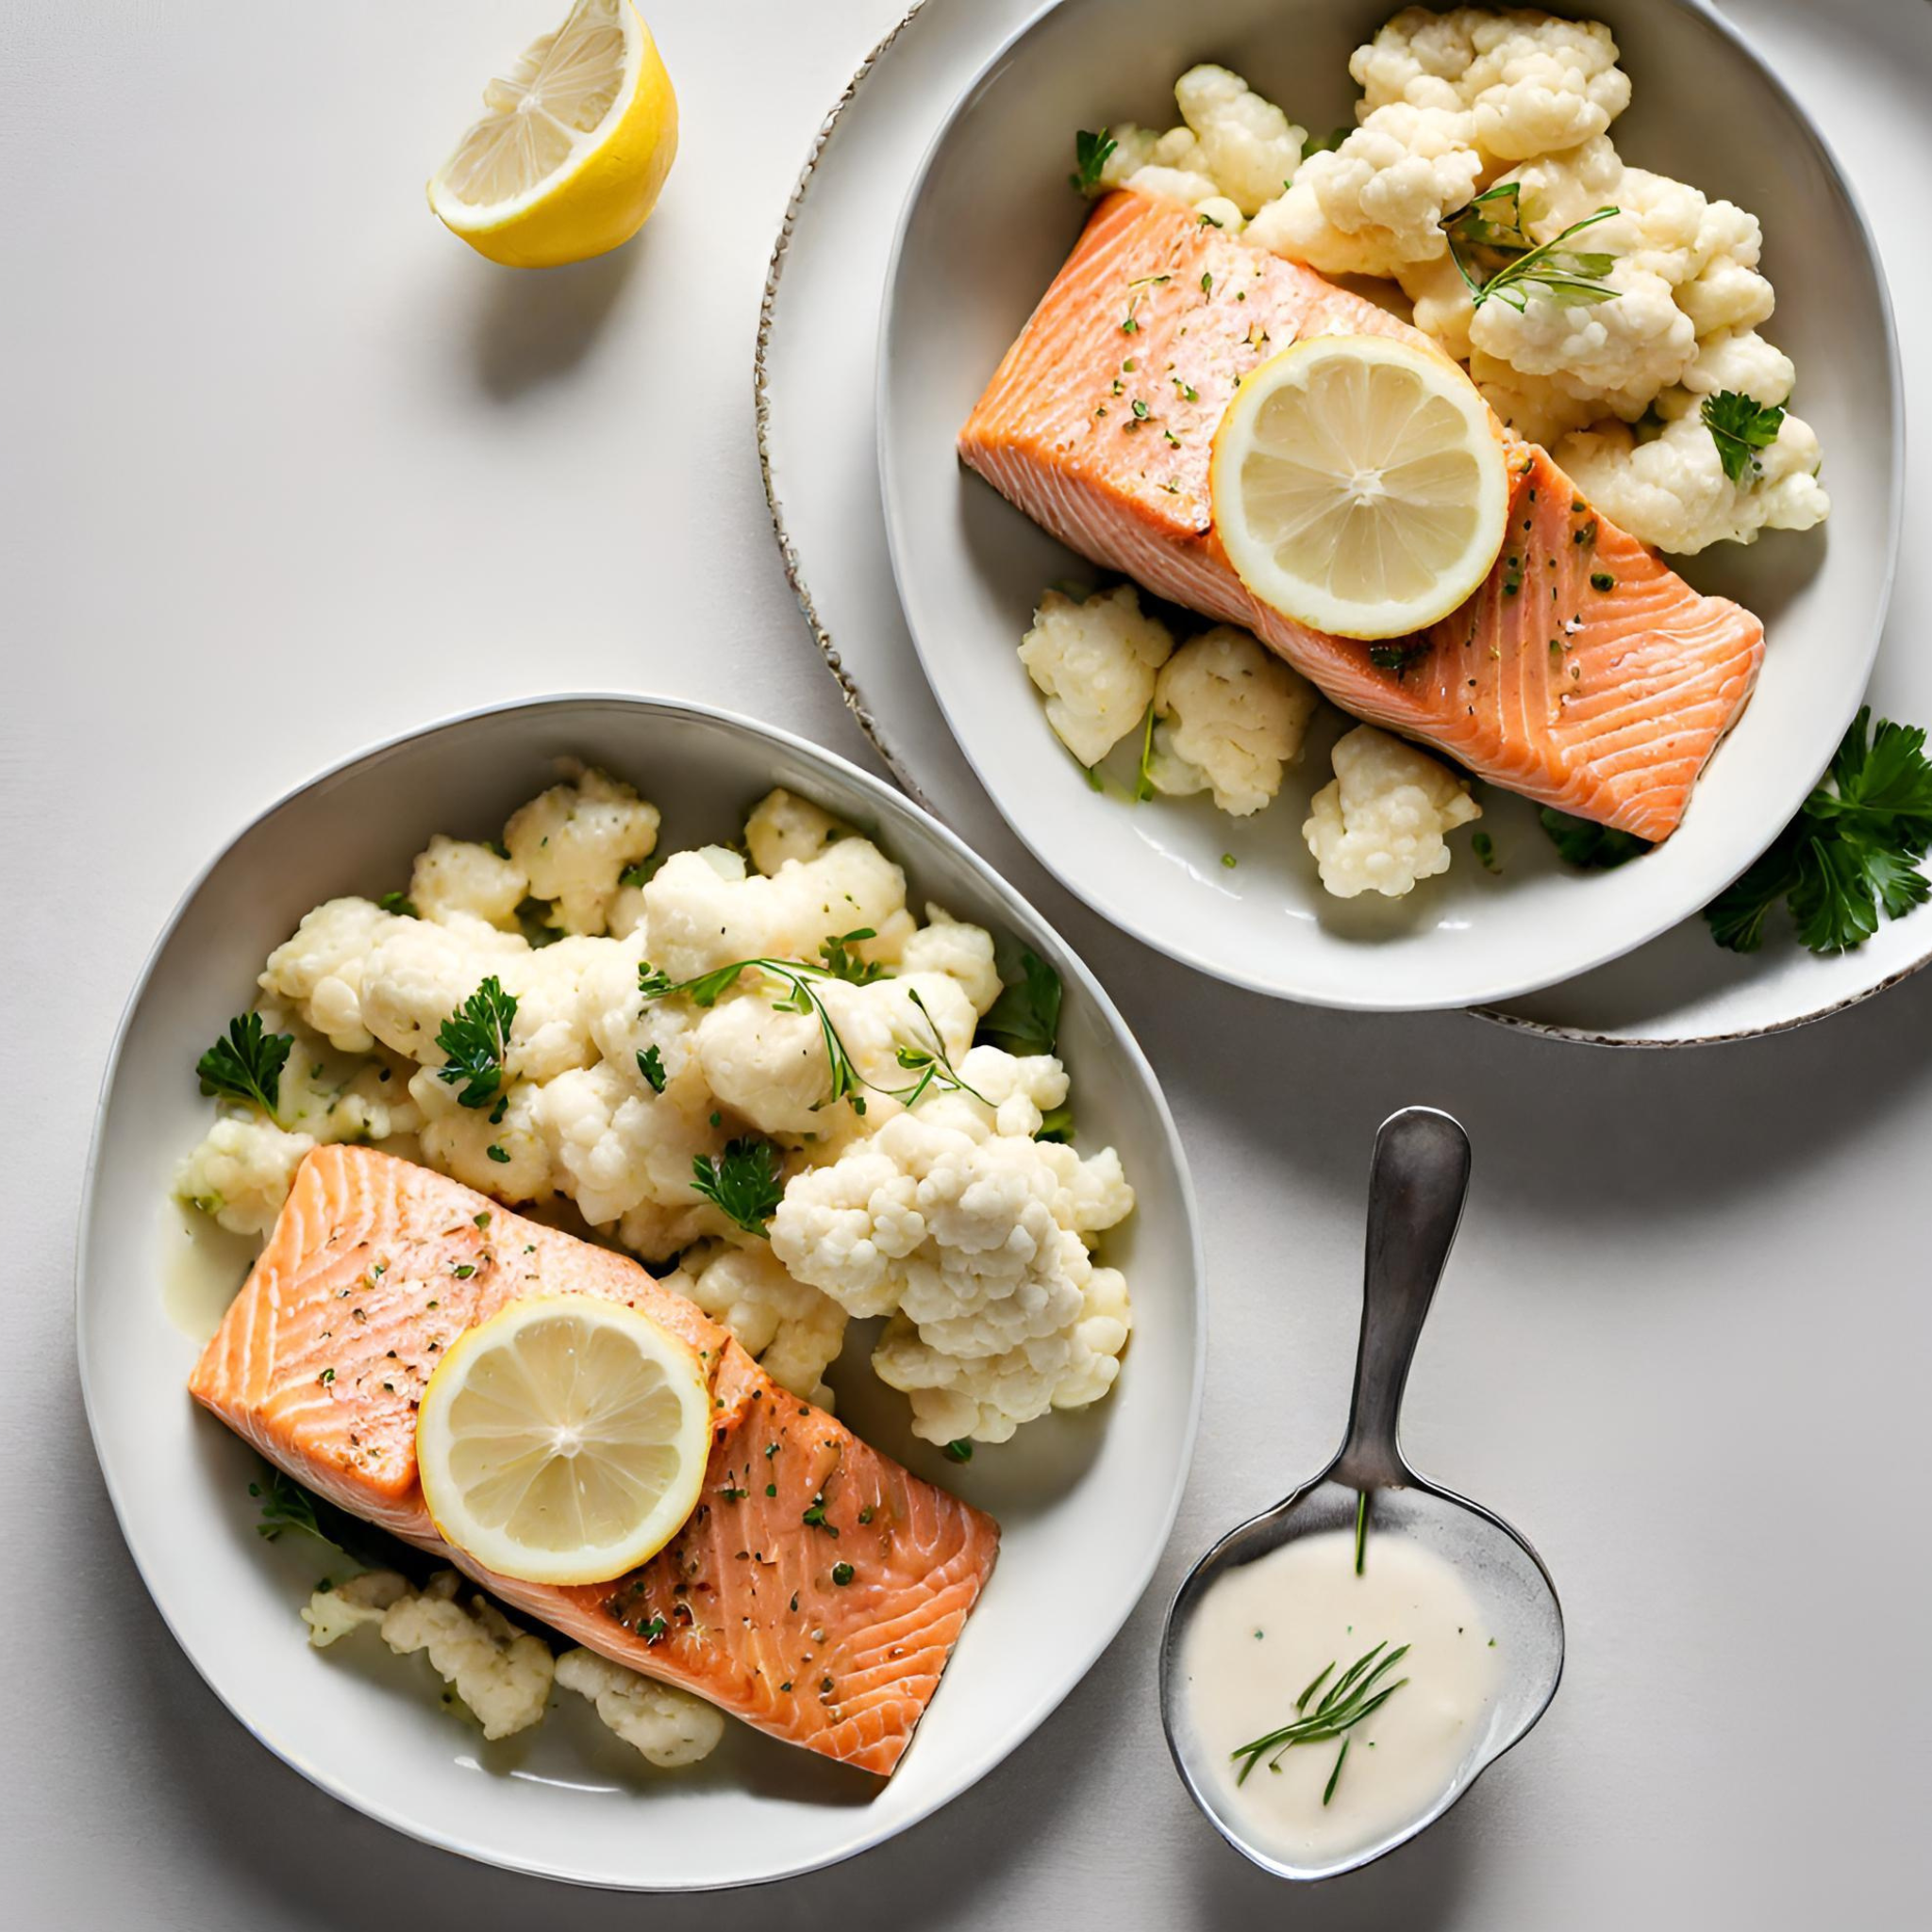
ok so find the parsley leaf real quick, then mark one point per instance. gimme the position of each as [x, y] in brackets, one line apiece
[1091, 152]
[247, 1063]
[475, 1038]
[1026, 1016]
[1492, 225]
[1741, 427]
[1057, 1124]
[651, 1065]
[285, 1505]
[1596, 848]
[841, 962]
[1852, 853]
[742, 1182]
[400, 903]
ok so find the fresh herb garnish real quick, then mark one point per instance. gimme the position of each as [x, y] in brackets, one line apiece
[841, 1573]
[1351, 1698]
[1025, 1019]
[742, 1182]
[1144, 770]
[476, 1039]
[1740, 425]
[1091, 153]
[285, 1505]
[1594, 847]
[1326, 144]
[247, 1063]
[930, 1063]
[959, 1451]
[1361, 1529]
[843, 962]
[1485, 849]
[651, 1065]
[400, 903]
[1851, 853]
[1492, 225]
[1057, 1124]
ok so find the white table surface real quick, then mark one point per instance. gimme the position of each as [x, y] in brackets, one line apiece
[285, 468]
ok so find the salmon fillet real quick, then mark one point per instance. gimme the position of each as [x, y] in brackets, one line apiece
[322, 1359]
[1603, 702]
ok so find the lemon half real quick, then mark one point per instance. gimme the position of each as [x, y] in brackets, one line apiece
[564, 1440]
[569, 159]
[1360, 486]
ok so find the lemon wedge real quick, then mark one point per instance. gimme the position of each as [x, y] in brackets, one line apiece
[569, 159]
[564, 1440]
[1360, 486]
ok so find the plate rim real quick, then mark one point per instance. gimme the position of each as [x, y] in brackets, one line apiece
[866, 1837]
[858, 704]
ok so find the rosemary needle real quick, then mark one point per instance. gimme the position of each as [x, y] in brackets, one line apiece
[1351, 1698]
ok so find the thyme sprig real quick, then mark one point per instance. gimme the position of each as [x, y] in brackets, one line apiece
[1493, 224]
[1351, 1698]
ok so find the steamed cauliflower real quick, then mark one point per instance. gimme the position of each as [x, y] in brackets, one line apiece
[795, 1332]
[1378, 825]
[459, 879]
[241, 1173]
[973, 1240]
[1673, 491]
[335, 1611]
[319, 969]
[963, 952]
[1531, 84]
[1233, 715]
[574, 842]
[783, 826]
[1095, 662]
[615, 1145]
[501, 1671]
[669, 1726]
[1248, 147]
[1375, 205]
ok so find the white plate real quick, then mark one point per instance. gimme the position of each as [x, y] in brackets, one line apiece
[984, 232]
[1085, 1501]
[1862, 71]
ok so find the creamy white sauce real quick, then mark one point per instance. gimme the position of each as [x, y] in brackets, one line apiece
[1265, 1630]
[203, 1267]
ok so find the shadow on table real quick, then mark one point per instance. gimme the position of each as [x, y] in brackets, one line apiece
[534, 325]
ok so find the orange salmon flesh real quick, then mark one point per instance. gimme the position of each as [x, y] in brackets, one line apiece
[1605, 698]
[321, 1361]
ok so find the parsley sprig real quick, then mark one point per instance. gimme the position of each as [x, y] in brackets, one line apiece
[1583, 842]
[1025, 1019]
[1492, 226]
[1852, 853]
[247, 1063]
[743, 1183]
[1091, 152]
[1740, 425]
[476, 1039]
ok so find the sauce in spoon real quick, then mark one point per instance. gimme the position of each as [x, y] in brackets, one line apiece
[1295, 1621]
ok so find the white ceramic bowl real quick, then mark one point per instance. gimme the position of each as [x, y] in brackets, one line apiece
[986, 225]
[1086, 1501]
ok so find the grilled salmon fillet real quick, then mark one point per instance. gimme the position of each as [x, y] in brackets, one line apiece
[1585, 673]
[321, 1361]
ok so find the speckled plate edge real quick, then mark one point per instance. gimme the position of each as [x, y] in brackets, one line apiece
[854, 698]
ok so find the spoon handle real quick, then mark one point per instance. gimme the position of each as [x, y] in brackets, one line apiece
[1418, 1180]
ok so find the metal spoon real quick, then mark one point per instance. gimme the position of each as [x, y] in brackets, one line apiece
[1417, 1183]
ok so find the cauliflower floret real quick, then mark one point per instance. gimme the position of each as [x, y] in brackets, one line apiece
[499, 1149]
[963, 952]
[551, 1032]
[1176, 184]
[794, 1331]
[321, 1097]
[1533, 84]
[460, 876]
[1003, 1094]
[1247, 146]
[770, 1066]
[1741, 361]
[605, 1139]
[418, 973]
[986, 1398]
[1673, 491]
[241, 1173]
[784, 827]
[702, 911]
[319, 970]
[958, 1234]
[575, 841]
[670, 1726]
[333, 1613]
[1097, 664]
[1234, 716]
[1378, 825]
[1376, 203]
[502, 1673]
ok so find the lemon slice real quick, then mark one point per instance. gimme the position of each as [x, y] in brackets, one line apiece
[1360, 486]
[564, 1440]
[570, 157]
